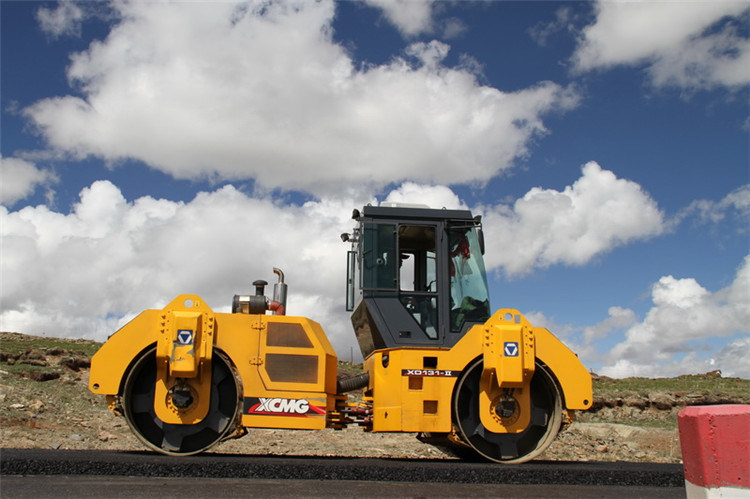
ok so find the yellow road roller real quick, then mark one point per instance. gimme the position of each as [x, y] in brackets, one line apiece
[438, 361]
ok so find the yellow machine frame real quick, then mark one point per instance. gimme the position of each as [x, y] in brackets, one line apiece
[288, 368]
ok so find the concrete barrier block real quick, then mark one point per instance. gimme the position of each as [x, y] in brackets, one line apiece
[715, 442]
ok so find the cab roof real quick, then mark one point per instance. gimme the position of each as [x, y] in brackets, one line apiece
[411, 213]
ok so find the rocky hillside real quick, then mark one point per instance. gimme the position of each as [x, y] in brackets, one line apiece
[45, 403]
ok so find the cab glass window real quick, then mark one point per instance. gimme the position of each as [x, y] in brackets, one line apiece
[379, 262]
[470, 300]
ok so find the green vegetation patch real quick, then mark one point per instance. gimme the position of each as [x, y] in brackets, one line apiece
[16, 343]
[36, 373]
[656, 402]
[347, 369]
[709, 384]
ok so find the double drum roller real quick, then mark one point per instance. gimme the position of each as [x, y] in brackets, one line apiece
[437, 361]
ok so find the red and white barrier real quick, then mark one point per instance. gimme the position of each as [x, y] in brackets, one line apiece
[715, 442]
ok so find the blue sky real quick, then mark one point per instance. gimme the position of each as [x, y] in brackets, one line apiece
[151, 149]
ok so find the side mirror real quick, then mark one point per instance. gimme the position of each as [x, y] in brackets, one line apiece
[480, 235]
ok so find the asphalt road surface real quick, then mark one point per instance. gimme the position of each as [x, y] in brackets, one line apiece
[49, 473]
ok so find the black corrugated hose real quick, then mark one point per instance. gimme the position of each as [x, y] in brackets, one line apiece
[354, 383]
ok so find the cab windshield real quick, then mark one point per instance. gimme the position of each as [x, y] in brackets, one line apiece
[470, 300]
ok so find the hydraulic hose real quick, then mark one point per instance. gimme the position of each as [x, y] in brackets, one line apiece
[353, 383]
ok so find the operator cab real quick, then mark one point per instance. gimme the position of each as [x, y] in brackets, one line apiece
[415, 276]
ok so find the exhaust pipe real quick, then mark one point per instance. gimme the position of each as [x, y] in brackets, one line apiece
[279, 293]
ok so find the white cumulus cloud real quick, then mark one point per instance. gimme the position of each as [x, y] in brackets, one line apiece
[434, 196]
[263, 91]
[736, 203]
[618, 318]
[85, 273]
[684, 311]
[20, 179]
[592, 216]
[66, 19]
[683, 44]
[411, 17]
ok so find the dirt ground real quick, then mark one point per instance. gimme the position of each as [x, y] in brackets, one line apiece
[61, 413]
[35, 425]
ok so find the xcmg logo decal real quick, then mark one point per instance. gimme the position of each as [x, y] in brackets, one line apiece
[281, 407]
